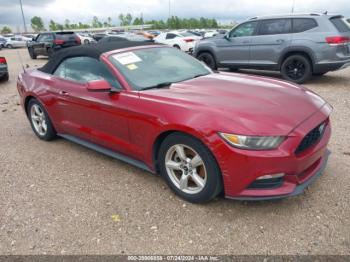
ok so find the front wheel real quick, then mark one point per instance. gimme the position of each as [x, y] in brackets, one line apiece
[296, 68]
[208, 59]
[189, 168]
[40, 121]
[32, 53]
[9, 46]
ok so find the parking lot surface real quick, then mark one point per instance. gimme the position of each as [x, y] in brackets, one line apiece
[60, 198]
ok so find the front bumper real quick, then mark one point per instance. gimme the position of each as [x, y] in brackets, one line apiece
[241, 168]
[299, 189]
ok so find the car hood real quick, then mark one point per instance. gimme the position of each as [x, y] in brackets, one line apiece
[253, 105]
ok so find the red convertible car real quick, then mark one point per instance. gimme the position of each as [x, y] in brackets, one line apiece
[207, 133]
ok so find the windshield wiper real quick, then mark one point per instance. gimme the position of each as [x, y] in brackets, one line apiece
[199, 75]
[158, 86]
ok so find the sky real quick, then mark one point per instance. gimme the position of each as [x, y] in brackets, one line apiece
[225, 11]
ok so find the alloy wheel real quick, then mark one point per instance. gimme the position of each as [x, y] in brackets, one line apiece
[295, 69]
[38, 119]
[186, 169]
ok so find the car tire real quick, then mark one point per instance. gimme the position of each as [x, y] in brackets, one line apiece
[177, 47]
[32, 53]
[195, 184]
[86, 42]
[296, 68]
[9, 46]
[6, 77]
[208, 59]
[40, 121]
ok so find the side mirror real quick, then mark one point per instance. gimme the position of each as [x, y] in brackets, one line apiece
[33, 38]
[99, 86]
[227, 37]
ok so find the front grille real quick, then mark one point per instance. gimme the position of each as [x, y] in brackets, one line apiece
[311, 138]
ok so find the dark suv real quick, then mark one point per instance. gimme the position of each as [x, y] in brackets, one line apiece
[297, 45]
[48, 43]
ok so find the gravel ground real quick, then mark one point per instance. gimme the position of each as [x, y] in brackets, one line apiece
[60, 198]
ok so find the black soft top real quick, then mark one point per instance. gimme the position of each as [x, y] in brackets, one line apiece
[94, 51]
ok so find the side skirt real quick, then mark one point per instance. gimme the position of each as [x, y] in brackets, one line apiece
[108, 152]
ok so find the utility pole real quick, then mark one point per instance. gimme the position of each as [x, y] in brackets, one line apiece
[293, 6]
[142, 21]
[169, 9]
[24, 20]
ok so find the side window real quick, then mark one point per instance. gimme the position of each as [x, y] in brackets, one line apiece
[85, 69]
[275, 27]
[303, 24]
[171, 36]
[247, 29]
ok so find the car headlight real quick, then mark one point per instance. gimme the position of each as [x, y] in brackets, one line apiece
[253, 142]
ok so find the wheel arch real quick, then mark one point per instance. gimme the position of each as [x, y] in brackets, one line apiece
[298, 51]
[165, 133]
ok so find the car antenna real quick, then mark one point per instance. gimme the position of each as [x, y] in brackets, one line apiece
[21, 61]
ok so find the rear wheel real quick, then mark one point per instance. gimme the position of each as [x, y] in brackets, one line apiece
[32, 53]
[5, 77]
[86, 41]
[208, 59]
[177, 47]
[189, 168]
[40, 121]
[296, 68]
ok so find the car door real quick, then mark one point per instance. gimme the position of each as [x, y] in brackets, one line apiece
[41, 43]
[98, 117]
[273, 37]
[234, 48]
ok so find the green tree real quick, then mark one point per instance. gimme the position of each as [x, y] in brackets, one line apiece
[37, 24]
[121, 19]
[6, 30]
[52, 25]
[96, 23]
[128, 19]
[67, 24]
[109, 21]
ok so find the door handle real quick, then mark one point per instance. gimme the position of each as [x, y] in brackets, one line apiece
[245, 42]
[63, 93]
[280, 41]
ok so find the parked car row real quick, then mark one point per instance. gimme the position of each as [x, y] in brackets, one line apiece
[14, 41]
[299, 46]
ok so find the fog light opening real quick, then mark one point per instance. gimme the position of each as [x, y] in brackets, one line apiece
[272, 176]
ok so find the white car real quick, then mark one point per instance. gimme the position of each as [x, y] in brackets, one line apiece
[181, 40]
[86, 39]
[16, 41]
[210, 34]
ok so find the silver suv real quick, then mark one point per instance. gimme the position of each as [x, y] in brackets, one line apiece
[298, 46]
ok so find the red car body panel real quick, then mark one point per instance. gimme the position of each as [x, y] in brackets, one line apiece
[130, 122]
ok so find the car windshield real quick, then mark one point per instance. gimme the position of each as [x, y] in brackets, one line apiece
[153, 67]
